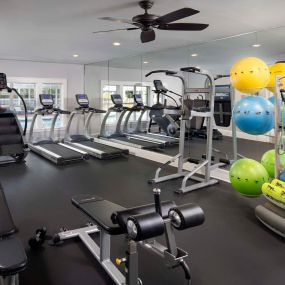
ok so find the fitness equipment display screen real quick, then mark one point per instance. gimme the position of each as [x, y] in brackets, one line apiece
[138, 98]
[222, 92]
[47, 100]
[3, 81]
[158, 85]
[117, 99]
[82, 99]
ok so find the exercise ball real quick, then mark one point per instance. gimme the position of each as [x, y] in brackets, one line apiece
[268, 161]
[247, 176]
[254, 115]
[249, 75]
[277, 68]
[281, 112]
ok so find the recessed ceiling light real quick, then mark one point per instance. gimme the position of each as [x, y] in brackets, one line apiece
[194, 54]
[256, 45]
[116, 44]
[76, 55]
[145, 62]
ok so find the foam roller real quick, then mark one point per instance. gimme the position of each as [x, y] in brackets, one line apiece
[278, 183]
[274, 192]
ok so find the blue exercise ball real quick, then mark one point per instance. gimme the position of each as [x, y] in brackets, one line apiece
[254, 115]
[282, 176]
[272, 100]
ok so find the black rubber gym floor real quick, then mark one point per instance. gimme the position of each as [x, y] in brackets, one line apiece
[232, 247]
[248, 148]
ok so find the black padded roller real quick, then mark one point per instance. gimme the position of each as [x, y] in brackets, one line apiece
[186, 216]
[145, 226]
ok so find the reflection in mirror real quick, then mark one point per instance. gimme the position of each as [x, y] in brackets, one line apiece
[126, 76]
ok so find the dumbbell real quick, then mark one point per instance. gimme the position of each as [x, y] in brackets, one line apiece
[38, 240]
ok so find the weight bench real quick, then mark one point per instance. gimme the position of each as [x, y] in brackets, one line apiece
[141, 225]
[13, 258]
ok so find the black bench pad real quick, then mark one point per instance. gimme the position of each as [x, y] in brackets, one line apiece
[112, 217]
[7, 226]
[100, 211]
[13, 258]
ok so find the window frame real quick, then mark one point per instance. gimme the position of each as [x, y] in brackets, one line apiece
[39, 85]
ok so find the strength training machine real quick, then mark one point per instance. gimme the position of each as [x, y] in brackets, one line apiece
[57, 152]
[206, 165]
[13, 147]
[141, 225]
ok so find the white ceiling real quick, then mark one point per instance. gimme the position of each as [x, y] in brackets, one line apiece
[54, 30]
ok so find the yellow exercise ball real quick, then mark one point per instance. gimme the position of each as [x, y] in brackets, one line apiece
[249, 75]
[277, 68]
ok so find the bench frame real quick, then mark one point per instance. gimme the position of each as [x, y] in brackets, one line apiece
[103, 252]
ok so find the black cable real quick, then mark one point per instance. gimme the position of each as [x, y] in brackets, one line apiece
[25, 108]
[187, 273]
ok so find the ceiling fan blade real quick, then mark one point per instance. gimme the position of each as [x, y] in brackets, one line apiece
[147, 36]
[115, 30]
[183, 27]
[124, 21]
[176, 15]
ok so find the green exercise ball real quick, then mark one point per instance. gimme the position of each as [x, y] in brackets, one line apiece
[247, 176]
[268, 161]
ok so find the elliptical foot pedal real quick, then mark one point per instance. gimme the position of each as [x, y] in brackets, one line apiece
[204, 156]
[224, 160]
[193, 160]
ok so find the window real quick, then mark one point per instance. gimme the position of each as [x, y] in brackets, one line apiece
[54, 89]
[126, 90]
[107, 91]
[30, 88]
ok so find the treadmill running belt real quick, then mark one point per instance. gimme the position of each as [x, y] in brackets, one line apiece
[106, 148]
[144, 144]
[64, 152]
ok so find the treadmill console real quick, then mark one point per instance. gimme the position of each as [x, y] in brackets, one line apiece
[222, 92]
[82, 100]
[117, 100]
[3, 81]
[138, 99]
[47, 100]
[159, 86]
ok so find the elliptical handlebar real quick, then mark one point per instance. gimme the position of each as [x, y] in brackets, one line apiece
[221, 76]
[192, 69]
[167, 72]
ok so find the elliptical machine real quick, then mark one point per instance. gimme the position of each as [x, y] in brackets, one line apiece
[13, 147]
[165, 116]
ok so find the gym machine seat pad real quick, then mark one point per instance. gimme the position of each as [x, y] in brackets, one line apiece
[112, 217]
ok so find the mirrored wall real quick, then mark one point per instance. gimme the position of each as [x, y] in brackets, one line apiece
[126, 76]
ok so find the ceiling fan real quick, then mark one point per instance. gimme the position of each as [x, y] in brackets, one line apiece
[148, 22]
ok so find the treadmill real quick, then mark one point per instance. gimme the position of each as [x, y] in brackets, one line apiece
[139, 132]
[120, 137]
[58, 153]
[93, 146]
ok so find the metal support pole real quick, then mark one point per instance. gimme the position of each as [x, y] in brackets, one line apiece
[277, 168]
